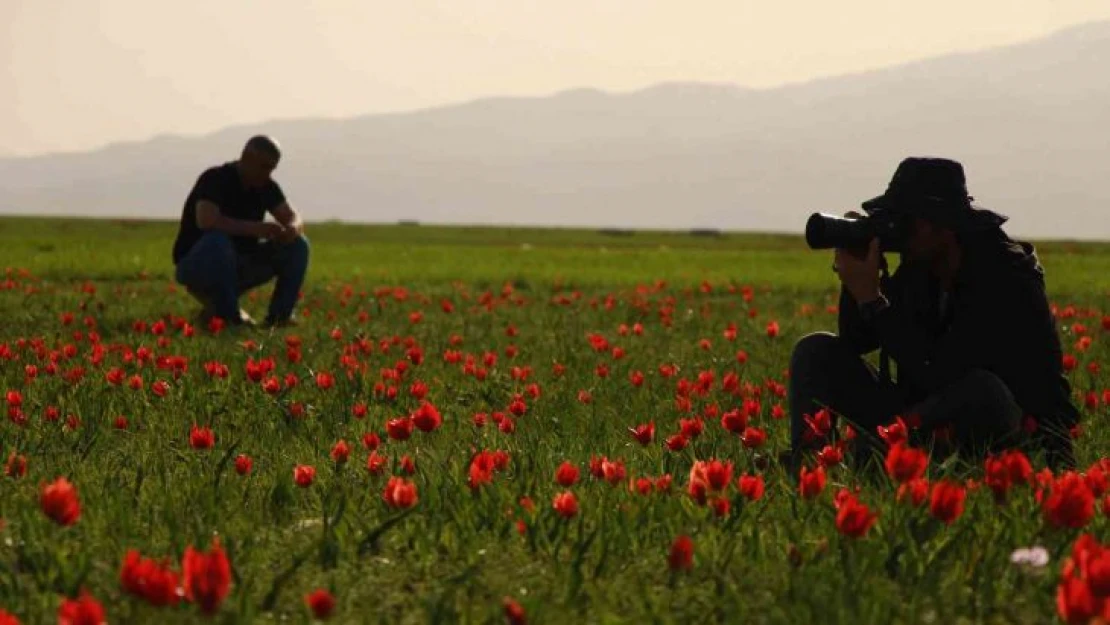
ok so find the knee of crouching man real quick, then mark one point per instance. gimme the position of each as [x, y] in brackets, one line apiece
[215, 238]
[815, 346]
[300, 246]
[985, 381]
[217, 244]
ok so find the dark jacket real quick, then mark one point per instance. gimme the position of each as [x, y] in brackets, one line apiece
[998, 319]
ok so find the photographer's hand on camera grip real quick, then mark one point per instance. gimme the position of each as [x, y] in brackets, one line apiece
[860, 276]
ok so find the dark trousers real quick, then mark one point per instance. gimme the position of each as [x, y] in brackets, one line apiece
[978, 410]
[214, 269]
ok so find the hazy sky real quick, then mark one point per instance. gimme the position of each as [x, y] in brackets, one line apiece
[80, 73]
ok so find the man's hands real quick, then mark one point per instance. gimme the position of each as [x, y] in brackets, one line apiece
[210, 218]
[290, 220]
[859, 274]
[289, 234]
[271, 231]
[276, 232]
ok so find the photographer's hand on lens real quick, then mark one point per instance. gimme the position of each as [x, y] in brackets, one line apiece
[836, 253]
[860, 276]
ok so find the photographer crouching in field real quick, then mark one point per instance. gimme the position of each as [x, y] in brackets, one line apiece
[964, 318]
[218, 253]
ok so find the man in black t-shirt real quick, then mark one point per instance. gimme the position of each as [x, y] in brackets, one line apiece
[218, 252]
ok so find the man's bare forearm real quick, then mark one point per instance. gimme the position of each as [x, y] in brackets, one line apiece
[234, 227]
[289, 219]
[209, 217]
[296, 224]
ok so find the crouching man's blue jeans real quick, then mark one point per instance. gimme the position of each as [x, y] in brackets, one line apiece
[216, 270]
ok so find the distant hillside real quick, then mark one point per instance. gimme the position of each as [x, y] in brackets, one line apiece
[1028, 122]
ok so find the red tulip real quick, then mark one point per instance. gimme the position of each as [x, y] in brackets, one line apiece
[304, 475]
[917, 490]
[854, 519]
[566, 475]
[947, 501]
[59, 501]
[155, 583]
[376, 463]
[830, 455]
[643, 434]
[565, 504]
[426, 418]
[691, 428]
[681, 556]
[1070, 502]
[894, 433]
[751, 486]
[812, 482]
[663, 483]
[243, 464]
[734, 421]
[1002, 472]
[340, 452]
[324, 380]
[676, 442]
[371, 441]
[753, 438]
[612, 471]
[904, 463]
[207, 576]
[201, 437]
[85, 610]
[1074, 601]
[481, 470]
[399, 429]
[321, 603]
[400, 493]
[514, 612]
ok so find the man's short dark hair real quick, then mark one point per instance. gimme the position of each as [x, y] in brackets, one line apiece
[263, 145]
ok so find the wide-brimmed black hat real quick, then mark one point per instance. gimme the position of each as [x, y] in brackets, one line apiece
[934, 189]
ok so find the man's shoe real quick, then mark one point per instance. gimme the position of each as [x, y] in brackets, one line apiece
[206, 315]
[246, 319]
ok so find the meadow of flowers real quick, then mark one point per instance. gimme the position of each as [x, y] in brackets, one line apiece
[496, 445]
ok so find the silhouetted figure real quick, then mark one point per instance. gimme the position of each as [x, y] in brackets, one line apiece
[218, 252]
[964, 319]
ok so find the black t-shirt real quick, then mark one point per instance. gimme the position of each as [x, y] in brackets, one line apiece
[222, 186]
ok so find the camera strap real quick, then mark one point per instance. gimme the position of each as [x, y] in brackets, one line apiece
[884, 358]
[884, 368]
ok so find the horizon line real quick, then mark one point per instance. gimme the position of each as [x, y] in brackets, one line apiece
[417, 223]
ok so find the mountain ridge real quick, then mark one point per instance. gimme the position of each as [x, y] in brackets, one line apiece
[1023, 118]
[1100, 27]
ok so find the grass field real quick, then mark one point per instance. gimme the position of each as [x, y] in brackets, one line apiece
[108, 387]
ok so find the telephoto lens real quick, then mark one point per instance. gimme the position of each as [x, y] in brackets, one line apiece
[825, 232]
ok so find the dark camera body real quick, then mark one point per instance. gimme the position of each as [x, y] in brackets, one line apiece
[829, 231]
